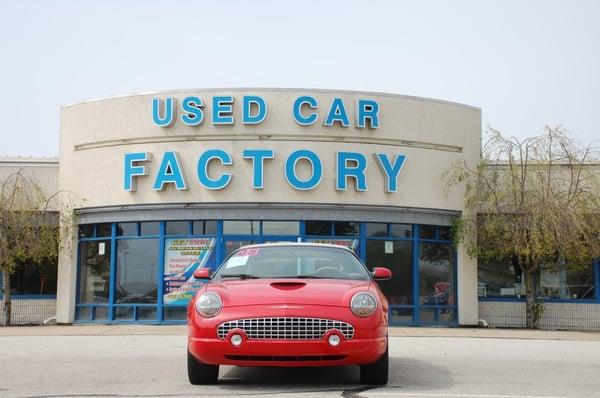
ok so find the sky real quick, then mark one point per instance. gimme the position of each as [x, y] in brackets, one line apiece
[526, 64]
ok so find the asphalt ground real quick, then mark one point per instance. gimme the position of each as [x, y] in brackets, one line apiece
[149, 361]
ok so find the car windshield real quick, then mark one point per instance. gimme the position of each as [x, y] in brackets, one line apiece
[292, 262]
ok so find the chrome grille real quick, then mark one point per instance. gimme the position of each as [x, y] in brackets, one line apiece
[285, 328]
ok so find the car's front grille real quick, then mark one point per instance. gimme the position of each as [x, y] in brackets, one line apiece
[287, 358]
[285, 328]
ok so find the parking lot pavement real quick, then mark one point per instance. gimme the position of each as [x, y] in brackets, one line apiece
[120, 364]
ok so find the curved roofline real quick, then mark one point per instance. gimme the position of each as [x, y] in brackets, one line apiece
[275, 89]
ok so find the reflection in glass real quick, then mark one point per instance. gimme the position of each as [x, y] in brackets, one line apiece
[86, 231]
[558, 281]
[377, 230]
[172, 313]
[103, 230]
[178, 228]
[136, 270]
[400, 230]
[127, 229]
[281, 228]
[94, 271]
[346, 228]
[436, 268]
[499, 278]
[319, 228]
[241, 227]
[232, 245]
[427, 232]
[149, 228]
[398, 258]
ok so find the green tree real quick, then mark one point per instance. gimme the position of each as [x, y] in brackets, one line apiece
[535, 200]
[28, 230]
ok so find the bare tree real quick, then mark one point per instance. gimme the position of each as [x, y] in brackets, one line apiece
[28, 231]
[536, 201]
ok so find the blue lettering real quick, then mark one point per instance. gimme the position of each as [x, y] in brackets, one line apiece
[167, 119]
[222, 110]
[260, 115]
[169, 172]
[297, 110]
[258, 156]
[205, 180]
[357, 171]
[368, 110]
[290, 170]
[337, 113]
[390, 170]
[193, 107]
[131, 170]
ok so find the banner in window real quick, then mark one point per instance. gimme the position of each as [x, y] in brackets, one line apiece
[182, 257]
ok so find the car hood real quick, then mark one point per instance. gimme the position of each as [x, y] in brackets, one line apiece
[329, 292]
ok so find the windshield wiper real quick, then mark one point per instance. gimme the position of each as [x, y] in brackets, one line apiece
[241, 276]
[300, 277]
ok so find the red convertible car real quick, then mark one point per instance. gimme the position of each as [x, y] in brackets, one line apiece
[289, 304]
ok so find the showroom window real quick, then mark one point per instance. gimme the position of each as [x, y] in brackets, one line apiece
[143, 271]
[504, 280]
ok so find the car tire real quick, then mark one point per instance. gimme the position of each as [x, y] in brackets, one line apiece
[201, 373]
[376, 373]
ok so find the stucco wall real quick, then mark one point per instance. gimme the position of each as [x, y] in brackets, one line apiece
[95, 136]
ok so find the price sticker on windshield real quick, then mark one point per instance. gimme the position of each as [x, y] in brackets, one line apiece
[248, 252]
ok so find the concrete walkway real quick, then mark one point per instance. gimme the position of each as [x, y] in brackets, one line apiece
[117, 330]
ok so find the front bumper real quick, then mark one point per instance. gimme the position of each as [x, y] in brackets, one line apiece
[287, 352]
[367, 346]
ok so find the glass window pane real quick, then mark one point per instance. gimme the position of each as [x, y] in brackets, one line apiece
[83, 313]
[319, 228]
[101, 313]
[198, 228]
[127, 229]
[346, 228]
[232, 245]
[146, 313]
[401, 230]
[401, 315]
[427, 232]
[241, 227]
[178, 228]
[123, 313]
[94, 271]
[34, 277]
[377, 229]
[149, 228]
[136, 270]
[563, 282]
[281, 228]
[436, 268]
[175, 313]
[444, 233]
[499, 278]
[398, 258]
[103, 230]
[210, 227]
[86, 231]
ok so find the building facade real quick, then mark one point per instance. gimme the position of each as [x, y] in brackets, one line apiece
[170, 181]
[163, 183]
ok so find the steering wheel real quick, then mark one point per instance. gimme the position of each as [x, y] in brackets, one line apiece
[327, 271]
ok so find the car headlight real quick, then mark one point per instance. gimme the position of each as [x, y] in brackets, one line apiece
[209, 304]
[363, 304]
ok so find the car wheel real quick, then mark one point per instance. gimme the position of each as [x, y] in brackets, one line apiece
[376, 373]
[201, 373]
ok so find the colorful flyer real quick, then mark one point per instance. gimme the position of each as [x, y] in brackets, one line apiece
[182, 257]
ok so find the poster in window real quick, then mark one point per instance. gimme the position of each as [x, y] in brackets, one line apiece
[182, 257]
[349, 243]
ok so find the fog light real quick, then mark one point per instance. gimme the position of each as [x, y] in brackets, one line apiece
[334, 340]
[236, 340]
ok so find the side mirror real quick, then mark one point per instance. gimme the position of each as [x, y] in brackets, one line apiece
[381, 274]
[202, 273]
